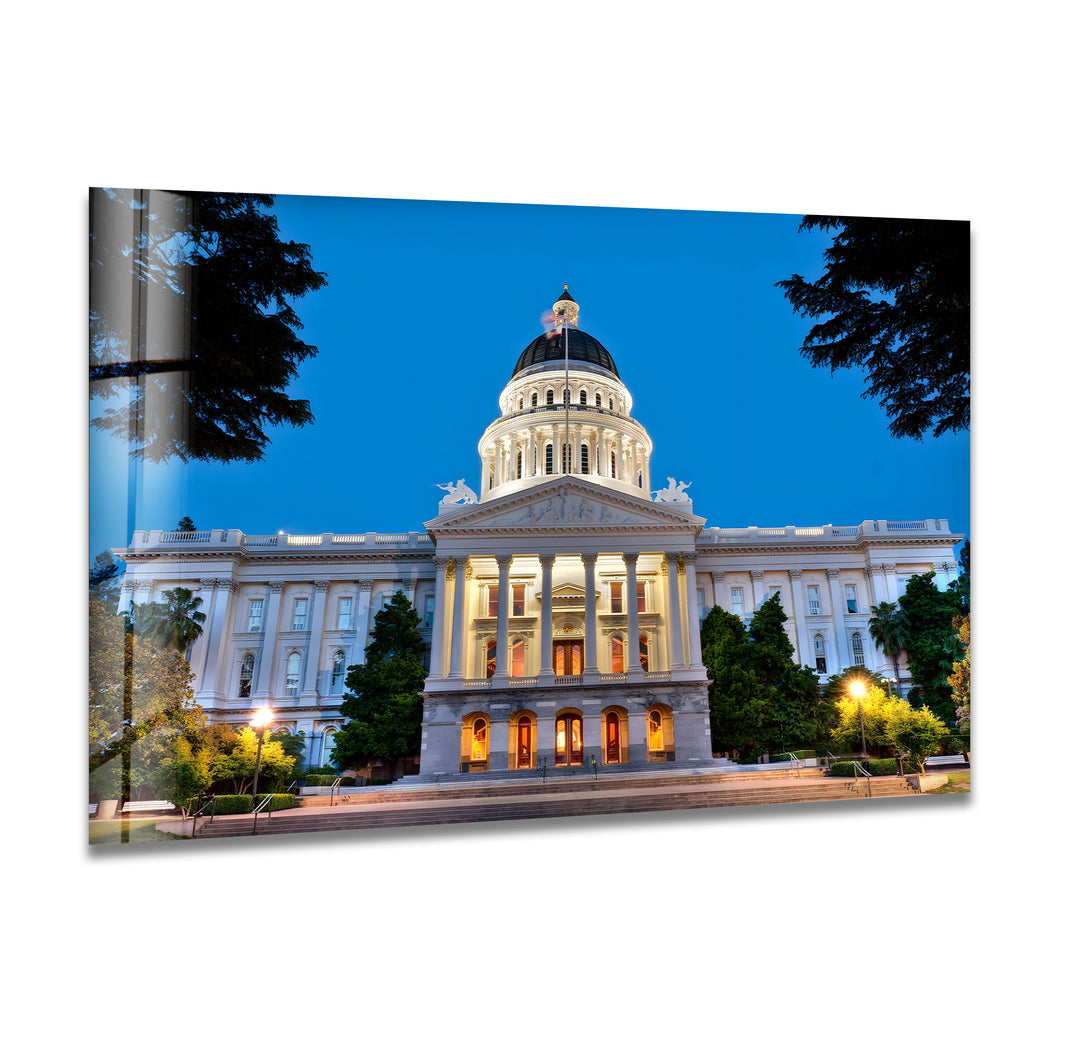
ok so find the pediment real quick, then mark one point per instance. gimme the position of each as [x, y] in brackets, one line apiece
[565, 504]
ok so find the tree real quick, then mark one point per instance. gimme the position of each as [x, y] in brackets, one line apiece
[890, 722]
[104, 578]
[888, 627]
[839, 685]
[897, 295]
[185, 524]
[386, 712]
[960, 678]
[141, 697]
[174, 623]
[207, 273]
[237, 766]
[932, 644]
[759, 698]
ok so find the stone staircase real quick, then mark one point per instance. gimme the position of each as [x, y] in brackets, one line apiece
[390, 806]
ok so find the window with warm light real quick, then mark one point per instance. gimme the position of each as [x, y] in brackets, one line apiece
[643, 652]
[618, 664]
[519, 599]
[493, 600]
[247, 671]
[656, 731]
[479, 740]
[616, 597]
[641, 596]
[517, 657]
[490, 659]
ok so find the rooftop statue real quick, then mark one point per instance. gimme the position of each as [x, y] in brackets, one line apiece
[673, 493]
[457, 492]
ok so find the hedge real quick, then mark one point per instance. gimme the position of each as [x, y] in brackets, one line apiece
[281, 801]
[242, 804]
[884, 766]
[318, 779]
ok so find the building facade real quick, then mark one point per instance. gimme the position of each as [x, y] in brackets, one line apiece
[560, 605]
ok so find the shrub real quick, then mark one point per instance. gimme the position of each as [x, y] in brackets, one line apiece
[843, 768]
[233, 804]
[956, 744]
[280, 802]
[884, 766]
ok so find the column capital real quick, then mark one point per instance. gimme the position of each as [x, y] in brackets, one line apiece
[547, 560]
[276, 586]
[589, 560]
[794, 573]
[630, 558]
[689, 556]
[888, 566]
[503, 561]
[365, 585]
[322, 586]
[832, 573]
[717, 576]
[757, 573]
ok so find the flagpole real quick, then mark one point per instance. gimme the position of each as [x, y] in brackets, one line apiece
[567, 458]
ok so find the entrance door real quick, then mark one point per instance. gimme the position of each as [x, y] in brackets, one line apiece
[568, 746]
[611, 733]
[524, 743]
[568, 656]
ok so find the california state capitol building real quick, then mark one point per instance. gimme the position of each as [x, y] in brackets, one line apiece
[560, 599]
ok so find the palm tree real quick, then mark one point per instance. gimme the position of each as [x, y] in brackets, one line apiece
[174, 623]
[888, 628]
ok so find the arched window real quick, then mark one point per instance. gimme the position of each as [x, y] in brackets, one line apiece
[566, 457]
[656, 731]
[292, 675]
[519, 463]
[327, 746]
[337, 674]
[583, 397]
[549, 459]
[535, 400]
[612, 465]
[819, 653]
[550, 397]
[479, 740]
[521, 735]
[584, 458]
[247, 671]
[611, 404]
[490, 658]
[569, 749]
[612, 743]
[517, 657]
[599, 401]
[618, 663]
[857, 649]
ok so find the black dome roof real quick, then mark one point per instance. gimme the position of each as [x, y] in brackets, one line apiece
[582, 348]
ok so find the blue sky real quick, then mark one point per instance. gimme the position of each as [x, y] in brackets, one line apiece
[427, 307]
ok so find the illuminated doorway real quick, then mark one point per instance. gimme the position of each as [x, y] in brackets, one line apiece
[612, 737]
[568, 656]
[568, 745]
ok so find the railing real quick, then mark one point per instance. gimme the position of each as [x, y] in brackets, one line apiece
[303, 541]
[568, 679]
[476, 683]
[860, 770]
[212, 805]
[795, 764]
[752, 532]
[347, 539]
[658, 675]
[335, 785]
[185, 537]
[255, 822]
[523, 682]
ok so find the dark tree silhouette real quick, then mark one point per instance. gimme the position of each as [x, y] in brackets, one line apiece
[897, 295]
[191, 324]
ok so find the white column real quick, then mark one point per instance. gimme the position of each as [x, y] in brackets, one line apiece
[693, 623]
[875, 584]
[805, 648]
[757, 588]
[589, 561]
[889, 570]
[838, 609]
[438, 638]
[631, 657]
[197, 658]
[265, 659]
[674, 615]
[529, 469]
[457, 628]
[546, 562]
[362, 621]
[717, 587]
[502, 633]
[314, 649]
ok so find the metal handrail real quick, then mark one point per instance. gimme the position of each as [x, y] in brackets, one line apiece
[212, 805]
[795, 764]
[335, 785]
[255, 823]
[859, 767]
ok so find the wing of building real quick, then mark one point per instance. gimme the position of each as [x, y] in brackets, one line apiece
[561, 604]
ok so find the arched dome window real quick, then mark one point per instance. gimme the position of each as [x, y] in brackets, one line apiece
[599, 401]
[535, 398]
[583, 398]
[584, 458]
[549, 459]
[566, 396]
[550, 397]
[519, 463]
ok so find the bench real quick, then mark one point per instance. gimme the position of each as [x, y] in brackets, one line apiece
[93, 810]
[147, 805]
[954, 760]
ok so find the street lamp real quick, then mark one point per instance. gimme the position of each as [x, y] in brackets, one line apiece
[260, 723]
[858, 690]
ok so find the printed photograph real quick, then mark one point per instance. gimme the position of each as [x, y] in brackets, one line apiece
[416, 513]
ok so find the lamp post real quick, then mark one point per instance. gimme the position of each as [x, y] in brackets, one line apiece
[858, 690]
[260, 723]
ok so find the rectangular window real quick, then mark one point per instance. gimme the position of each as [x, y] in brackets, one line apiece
[849, 593]
[616, 597]
[429, 610]
[641, 597]
[617, 663]
[299, 619]
[736, 601]
[519, 599]
[255, 607]
[776, 590]
[493, 600]
[815, 600]
[700, 604]
[344, 614]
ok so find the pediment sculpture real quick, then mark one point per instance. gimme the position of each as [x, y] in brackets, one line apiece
[456, 493]
[673, 493]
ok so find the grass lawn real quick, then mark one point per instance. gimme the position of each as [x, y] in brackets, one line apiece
[140, 831]
[959, 782]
